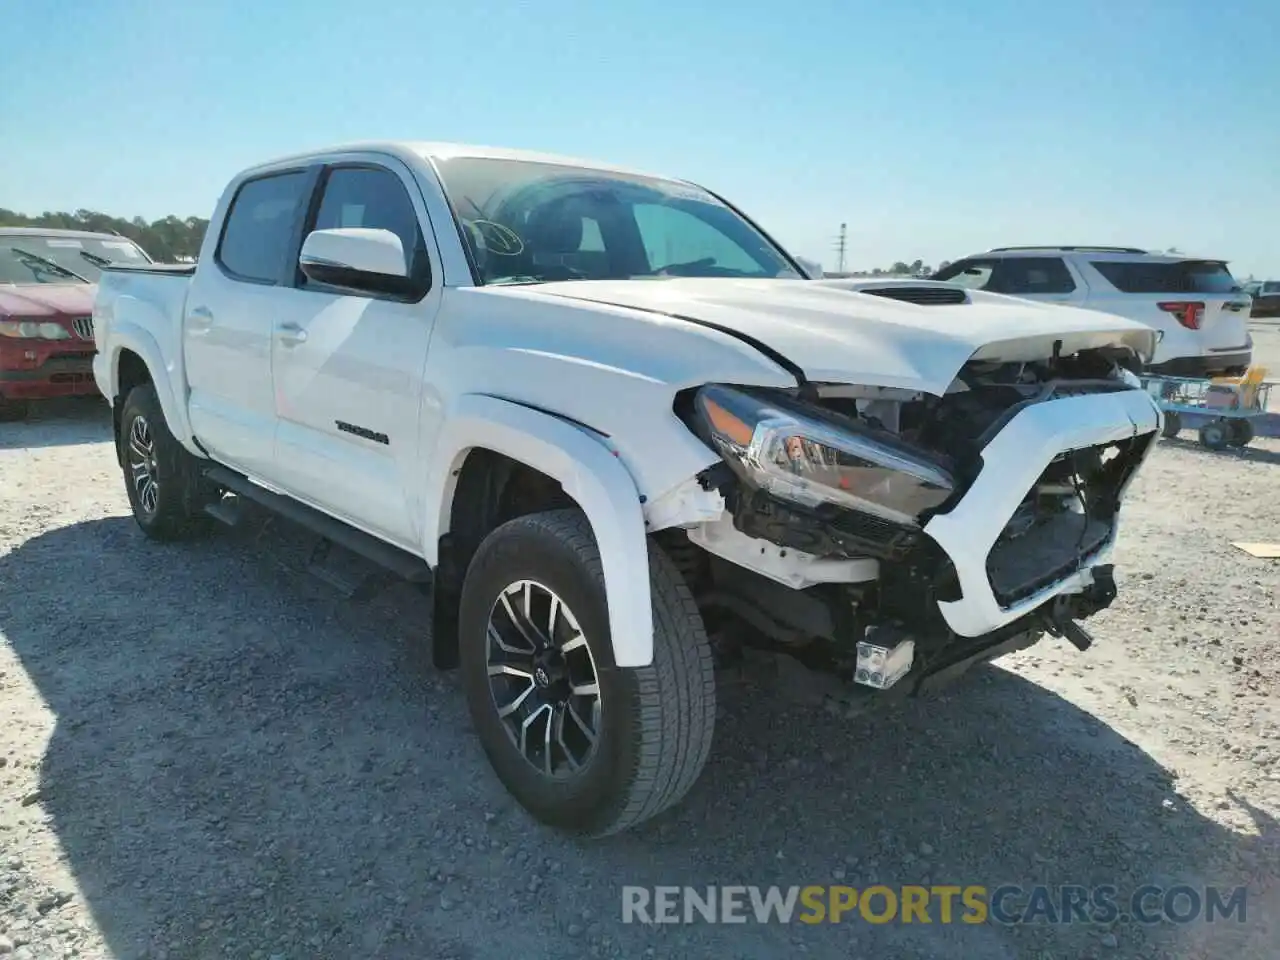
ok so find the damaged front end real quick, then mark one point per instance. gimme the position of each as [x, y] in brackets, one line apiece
[896, 538]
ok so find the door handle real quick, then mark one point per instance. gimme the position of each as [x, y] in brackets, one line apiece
[199, 320]
[290, 334]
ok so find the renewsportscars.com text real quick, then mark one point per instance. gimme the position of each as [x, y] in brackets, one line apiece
[973, 904]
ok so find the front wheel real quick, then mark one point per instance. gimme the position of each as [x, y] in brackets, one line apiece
[166, 491]
[583, 745]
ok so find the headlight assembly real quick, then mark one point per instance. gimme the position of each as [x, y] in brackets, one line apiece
[812, 462]
[33, 330]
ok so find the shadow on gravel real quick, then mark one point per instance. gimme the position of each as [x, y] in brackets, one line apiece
[59, 423]
[1252, 454]
[242, 763]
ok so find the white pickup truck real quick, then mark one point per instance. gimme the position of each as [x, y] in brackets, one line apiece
[604, 416]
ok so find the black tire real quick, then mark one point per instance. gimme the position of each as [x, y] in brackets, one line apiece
[656, 722]
[1241, 433]
[1172, 424]
[174, 509]
[1214, 435]
[13, 410]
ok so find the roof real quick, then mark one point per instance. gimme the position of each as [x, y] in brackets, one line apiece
[52, 232]
[434, 150]
[1110, 253]
[1074, 248]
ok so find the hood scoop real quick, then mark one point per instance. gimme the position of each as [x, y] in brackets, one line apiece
[925, 296]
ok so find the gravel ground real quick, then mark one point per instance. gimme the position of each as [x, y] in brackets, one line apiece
[203, 753]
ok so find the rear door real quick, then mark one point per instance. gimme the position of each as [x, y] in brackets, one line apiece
[231, 309]
[1201, 296]
[348, 365]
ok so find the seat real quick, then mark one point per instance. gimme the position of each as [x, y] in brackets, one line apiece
[1248, 385]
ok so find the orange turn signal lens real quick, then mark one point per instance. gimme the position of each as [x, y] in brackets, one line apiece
[726, 424]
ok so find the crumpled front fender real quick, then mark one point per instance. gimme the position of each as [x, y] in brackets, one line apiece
[588, 471]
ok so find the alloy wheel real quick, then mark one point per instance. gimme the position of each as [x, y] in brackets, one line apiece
[543, 678]
[142, 465]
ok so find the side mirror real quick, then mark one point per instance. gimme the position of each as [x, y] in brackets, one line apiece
[357, 258]
[812, 267]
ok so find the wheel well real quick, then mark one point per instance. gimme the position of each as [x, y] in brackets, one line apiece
[131, 372]
[491, 489]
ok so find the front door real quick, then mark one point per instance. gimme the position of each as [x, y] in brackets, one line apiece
[348, 366]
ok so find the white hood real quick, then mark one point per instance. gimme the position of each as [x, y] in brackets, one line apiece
[841, 336]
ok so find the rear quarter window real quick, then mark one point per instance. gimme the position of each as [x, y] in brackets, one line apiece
[1186, 276]
[260, 224]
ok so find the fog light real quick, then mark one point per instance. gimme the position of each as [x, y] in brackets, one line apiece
[882, 666]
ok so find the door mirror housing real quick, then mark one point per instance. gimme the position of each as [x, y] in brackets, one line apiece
[358, 258]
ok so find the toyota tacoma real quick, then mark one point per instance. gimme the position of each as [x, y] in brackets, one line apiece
[604, 417]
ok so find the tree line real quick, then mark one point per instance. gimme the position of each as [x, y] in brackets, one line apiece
[900, 268]
[166, 239]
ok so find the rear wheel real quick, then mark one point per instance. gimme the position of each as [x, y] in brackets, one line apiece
[583, 745]
[163, 481]
[1241, 433]
[11, 410]
[1172, 424]
[1214, 435]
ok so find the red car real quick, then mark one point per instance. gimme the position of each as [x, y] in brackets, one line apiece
[47, 282]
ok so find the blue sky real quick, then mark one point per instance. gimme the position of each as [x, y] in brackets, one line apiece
[932, 129]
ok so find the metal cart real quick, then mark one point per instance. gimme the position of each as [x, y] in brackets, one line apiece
[1227, 412]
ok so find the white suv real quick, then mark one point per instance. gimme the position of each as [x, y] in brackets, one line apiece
[1196, 304]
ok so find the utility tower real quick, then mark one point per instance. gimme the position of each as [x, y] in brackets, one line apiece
[840, 247]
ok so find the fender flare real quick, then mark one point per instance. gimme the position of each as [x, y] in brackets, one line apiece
[588, 471]
[131, 336]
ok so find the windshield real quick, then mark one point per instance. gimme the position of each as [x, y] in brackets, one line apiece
[24, 257]
[529, 222]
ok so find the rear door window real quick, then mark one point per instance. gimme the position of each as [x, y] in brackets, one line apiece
[1180, 276]
[259, 228]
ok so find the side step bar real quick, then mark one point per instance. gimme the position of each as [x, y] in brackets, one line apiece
[399, 562]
